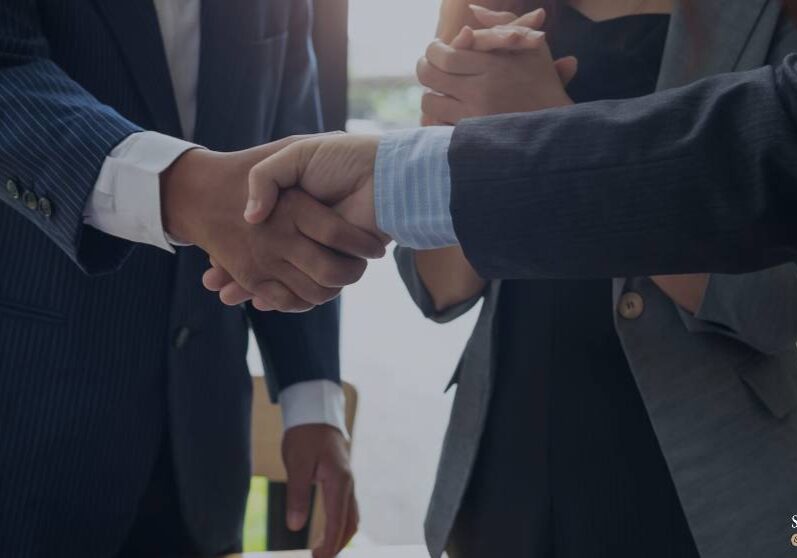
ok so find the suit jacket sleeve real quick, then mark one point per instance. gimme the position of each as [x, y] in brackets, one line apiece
[54, 137]
[701, 178]
[299, 347]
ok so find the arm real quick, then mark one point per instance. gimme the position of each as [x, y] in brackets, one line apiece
[301, 351]
[446, 277]
[536, 195]
[54, 138]
[304, 347]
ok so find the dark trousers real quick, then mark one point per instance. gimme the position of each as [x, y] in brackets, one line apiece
[159, 530]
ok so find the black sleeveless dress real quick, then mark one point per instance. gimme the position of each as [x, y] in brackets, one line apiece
[569, 466]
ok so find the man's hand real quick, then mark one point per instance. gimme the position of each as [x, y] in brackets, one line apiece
[337, 170]
[504, 68]
[317, 454]
[299, 258]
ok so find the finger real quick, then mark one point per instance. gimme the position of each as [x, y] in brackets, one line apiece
[337, 493]
[490, 18]
[216, 278]
[234, 294]
[263, 199]
[299, 490]
[324, 266]
[277, 296]
[567, 68]
[438, 80]
[442, 108]
[464, 39]
[320, 223]
[261, 305]
[532, 20]
[507, 37]
[353, 522]
[457, 61]
[281, 170]
[303, 286]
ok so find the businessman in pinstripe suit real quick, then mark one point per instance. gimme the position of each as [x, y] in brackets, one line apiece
[124, 391]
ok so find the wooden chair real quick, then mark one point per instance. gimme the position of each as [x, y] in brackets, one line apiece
[267, 462]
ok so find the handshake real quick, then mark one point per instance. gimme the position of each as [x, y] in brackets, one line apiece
[289, 224]
[286, 225]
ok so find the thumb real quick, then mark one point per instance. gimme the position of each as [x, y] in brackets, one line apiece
[281, 170]
[263, 193]
[567, 68]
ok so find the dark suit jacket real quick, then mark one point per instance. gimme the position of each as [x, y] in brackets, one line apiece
[104, 345]
[701, 178]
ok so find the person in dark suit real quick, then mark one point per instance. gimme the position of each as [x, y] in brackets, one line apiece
[559, 442]
[124, 391]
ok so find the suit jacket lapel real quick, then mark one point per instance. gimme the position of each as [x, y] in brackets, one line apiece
[708, 38]
[222, 64]
[135, 24]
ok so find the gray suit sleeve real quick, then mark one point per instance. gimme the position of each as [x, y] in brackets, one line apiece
[405, 258]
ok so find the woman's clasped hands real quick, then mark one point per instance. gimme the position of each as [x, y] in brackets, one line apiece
[505, 67]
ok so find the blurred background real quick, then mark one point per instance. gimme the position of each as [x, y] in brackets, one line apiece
[399, 362]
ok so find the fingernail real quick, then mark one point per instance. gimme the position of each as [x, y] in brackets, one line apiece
[295, 521]
[477, 8]
[252, 207]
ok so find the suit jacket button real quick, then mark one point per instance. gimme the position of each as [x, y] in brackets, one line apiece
[30, 200]
[182, 337]
[12, 189]
[45, 207]
[631, 306]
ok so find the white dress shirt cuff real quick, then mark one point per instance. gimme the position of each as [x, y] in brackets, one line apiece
[412, 188]
[314, 402]
[126, 200]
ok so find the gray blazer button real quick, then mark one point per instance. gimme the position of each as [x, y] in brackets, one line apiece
[631, 306]
[12, 189]
[30, 200]
[45, 207]
[182, 337]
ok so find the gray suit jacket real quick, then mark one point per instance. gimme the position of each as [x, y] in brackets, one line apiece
[720, 387]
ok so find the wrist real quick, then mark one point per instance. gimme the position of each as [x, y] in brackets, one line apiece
[190, 194]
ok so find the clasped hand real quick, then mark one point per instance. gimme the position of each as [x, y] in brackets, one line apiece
[285, 248]
[503, 68]
[309, 220]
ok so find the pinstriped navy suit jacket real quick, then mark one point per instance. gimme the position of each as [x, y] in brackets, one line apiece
[105, 345]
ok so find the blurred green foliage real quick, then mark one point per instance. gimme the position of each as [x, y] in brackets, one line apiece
[390, 103]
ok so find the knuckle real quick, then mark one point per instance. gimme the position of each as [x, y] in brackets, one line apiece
[423, 69]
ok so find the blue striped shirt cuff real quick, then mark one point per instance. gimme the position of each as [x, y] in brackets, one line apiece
[412, 188]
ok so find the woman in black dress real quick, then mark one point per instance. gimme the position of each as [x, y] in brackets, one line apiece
[568, 464]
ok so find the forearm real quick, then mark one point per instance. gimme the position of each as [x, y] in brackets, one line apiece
[535, 195]
[54, 138]
[447, 276]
